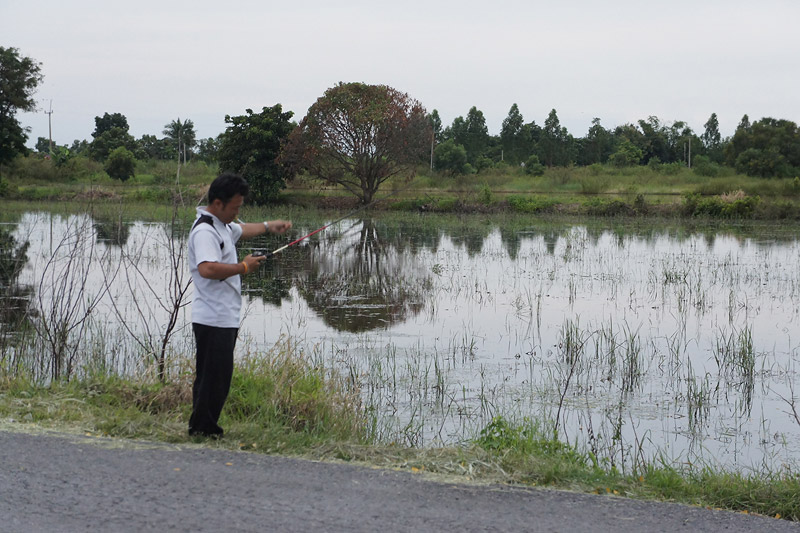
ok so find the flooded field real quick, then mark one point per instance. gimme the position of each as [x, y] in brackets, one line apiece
[637, 341]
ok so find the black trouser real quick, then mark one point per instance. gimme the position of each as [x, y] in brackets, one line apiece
[213, 373]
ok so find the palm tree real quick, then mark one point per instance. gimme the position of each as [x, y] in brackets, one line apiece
[182, 137]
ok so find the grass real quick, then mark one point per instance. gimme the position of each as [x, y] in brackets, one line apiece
[281, 403]
[278, 402]
[598, 190]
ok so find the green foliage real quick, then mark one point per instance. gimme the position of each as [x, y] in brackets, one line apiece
[608, 208]
[108, 141]
[180, 137]
[501, 436]
[597, 146]
[476, 136]
[512, 136]
[703, 166]
[671, 169]
[533, 167]
[251, 145]
[19, 78]
[450, 157]
[108, 122]
[594, 184]
[532, 204]
[627, 155]
[654, 164]
[486, 196]
[121, 164]
[595, 169]
[762, 163]
[556, 145]
[767, 148]
[728, 206]
[4, 187]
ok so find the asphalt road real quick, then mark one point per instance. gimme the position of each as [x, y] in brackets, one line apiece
[58, 482]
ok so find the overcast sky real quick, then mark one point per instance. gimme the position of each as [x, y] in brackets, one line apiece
[619, 60]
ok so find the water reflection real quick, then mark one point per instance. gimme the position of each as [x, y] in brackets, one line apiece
[360, 280]
[111, 230]
[14, 298]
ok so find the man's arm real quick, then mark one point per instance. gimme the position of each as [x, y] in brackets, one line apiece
[254, 229]
[214, 270]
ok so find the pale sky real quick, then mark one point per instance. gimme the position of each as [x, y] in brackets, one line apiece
[619, 60]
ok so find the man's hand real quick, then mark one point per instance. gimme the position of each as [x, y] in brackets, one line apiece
[278, 226]
[253, 262]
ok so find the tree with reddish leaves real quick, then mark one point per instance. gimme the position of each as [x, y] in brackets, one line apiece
[358, 136]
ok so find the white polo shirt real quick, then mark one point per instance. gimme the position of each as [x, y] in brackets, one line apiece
[216, 303]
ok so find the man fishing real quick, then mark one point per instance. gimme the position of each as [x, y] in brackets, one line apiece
[216, 273]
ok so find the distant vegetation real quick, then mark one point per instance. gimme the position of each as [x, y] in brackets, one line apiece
[358, 136]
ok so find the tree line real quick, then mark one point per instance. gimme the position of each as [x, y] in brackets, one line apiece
[358, 136]
[765, 148]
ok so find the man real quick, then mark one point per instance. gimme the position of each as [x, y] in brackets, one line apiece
[216, 273]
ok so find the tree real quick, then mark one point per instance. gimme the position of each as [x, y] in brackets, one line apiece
[740, 141]
[250, 147]
[151, 147]
[358, 136]
[450, 157]
[208, 149]
[597, 146]
[108, 122]
[766, 148]
[42, 145]
[19, 78]
[121, 164]
[181, 137]
[476, 139]
[656, 143]
[110, 132]
[627, 154]
[711, 136]
[436, 126]
[555, 144]
[533, 167]
[512, 136]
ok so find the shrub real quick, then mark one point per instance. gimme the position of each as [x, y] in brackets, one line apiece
[703, 166]
[485, 195]
[655, 164]
[672, 169]
[626, 155]
[762, 163]
[531, 204]
[533, 167]
[120, 164]
[595, 169]
[594, 184]
[451, 158]
[608, 208]
[483, 163]
[731, 205]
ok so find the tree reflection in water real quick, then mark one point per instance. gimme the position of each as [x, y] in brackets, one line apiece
[360, 281]
[14, 298]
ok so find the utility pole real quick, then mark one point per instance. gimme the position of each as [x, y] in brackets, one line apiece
[690, 152]
[50, 125]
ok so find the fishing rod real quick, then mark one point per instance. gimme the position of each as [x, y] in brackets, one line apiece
[329, 224]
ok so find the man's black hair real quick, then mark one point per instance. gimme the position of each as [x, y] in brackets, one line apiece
[226, 186]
